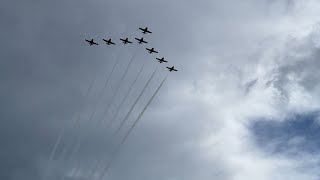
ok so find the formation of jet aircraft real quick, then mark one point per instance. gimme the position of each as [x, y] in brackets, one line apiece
[161, 60]
[140, 41]
[108, 42]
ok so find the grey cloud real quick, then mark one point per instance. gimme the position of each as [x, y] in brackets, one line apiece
[300, 64]
[46, 66]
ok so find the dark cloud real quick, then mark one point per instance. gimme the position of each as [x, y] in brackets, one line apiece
[46, 67]
[41, 65]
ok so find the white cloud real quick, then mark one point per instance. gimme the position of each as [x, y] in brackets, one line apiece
[280, 67]
[238, 61]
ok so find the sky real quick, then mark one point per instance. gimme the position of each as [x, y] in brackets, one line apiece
[244, 103]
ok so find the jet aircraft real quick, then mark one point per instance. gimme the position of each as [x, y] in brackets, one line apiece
[145, 30]
[125, 41]
[91, 42]
[109, 42]
[151, 50]
[171, 69]
[141, 40]
[161, 60]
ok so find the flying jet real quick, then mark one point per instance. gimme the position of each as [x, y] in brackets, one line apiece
[151, 50]
[125, 41]
[109, 42]
[161, 60]
[171, 69]
[141, 40]
[91, 42]
[145, 30]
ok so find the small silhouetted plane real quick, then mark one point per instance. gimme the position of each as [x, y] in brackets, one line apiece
[161, 60]
[171, 69]
[141, 40]
[145, 30]
[151, 50]
[125, 41]
[109, 42]
[91, 42]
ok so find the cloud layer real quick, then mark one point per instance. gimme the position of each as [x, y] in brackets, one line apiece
[248, 75]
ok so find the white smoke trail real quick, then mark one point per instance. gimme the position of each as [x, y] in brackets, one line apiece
[62, 132]
[132, 107]
[134, 104]
[113, 155]
[78, 144]
[115, 93]
[127, 94]
[115, 115]
[99, 98]
[97, 124]
[104, 87]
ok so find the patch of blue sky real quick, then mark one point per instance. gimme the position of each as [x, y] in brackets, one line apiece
[299, 133]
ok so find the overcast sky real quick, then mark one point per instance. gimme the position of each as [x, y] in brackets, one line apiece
[244, 104]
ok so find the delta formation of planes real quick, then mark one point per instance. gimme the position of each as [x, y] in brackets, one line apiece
[140, 41]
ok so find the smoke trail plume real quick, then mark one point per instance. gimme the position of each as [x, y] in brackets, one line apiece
[104, 87]
[127, 94]
[62, 132]
[117, 111]
[78, 146]
[134, 104]
[107, 108]
[115, 93]
[105, 170]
